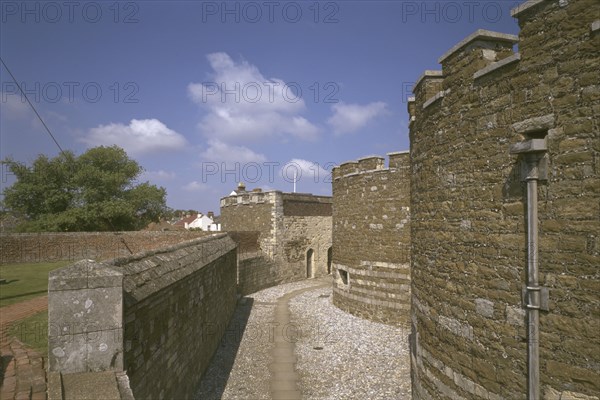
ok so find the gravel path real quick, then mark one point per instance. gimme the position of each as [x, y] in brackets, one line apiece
[339, 356]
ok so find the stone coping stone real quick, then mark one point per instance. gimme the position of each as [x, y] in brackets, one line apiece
[396, 153]
[188, 243]
[84, 274]
[480, 34]
[428, 73]
[521, 8]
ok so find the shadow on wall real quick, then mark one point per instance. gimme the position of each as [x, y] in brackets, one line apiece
[214, 381]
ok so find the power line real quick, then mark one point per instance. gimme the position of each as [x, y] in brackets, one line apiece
[32, 107]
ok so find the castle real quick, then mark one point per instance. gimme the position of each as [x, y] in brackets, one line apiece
[482, 239]
[501, 306]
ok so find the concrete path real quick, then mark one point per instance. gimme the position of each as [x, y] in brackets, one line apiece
[22, 371]
[285, 381]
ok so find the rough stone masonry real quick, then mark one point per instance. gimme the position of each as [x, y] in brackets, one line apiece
[468, 209]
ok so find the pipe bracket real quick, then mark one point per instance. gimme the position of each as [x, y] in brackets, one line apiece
[536, 298]
[534, 166]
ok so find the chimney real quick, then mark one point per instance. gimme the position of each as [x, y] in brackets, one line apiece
[211, 215]
[241, 187]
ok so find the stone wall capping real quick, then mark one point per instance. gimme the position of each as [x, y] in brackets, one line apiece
[126, 260]
[411, 99]
[368, 171]
[521, 8]
[348, 163]
[427, 74]
[370, 157]
[480, 34]
[396, 153]
[435, 97]
[84, 274]
[497, 65]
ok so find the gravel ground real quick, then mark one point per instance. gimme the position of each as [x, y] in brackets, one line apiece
[353, 359]
[341, 356]
[239, 369]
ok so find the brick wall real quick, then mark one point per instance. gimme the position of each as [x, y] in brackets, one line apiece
[159, 316]
[50, 246]
[468, 207]
[371, 238]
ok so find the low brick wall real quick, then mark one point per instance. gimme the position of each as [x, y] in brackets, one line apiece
[73, 246]
[158, 316]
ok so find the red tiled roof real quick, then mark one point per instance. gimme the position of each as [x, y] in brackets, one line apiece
[185, 220]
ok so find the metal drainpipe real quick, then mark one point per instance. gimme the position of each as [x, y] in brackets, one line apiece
[533, 168]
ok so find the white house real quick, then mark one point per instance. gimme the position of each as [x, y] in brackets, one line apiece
[203, 222]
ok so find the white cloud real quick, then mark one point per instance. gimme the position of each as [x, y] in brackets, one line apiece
[158, 175]
[303, 170]
[219, 151]
[244, 105]
[349, 118]
[12, 106]
[196, 186]
[139, 137]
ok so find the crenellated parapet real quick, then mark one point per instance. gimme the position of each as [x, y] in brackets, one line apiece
[292, 234]
[370, 164]
[469, 230]
[254, 197]
[474, 53]
[371, 237]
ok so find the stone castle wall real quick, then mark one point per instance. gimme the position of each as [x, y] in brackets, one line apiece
[371, 238]
[294, 236]
[152, 320]
[468, 209]
[73, 246]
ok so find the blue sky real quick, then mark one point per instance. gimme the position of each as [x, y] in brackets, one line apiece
[204, 94]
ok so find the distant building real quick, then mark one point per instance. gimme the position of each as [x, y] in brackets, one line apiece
[199, 221]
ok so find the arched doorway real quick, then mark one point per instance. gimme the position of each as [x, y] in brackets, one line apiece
[309, 263]
[329, 259]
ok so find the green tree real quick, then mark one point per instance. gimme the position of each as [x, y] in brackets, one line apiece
[96, 191]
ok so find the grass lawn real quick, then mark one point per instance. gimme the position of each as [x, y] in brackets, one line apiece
[33, 331]
[25, 281]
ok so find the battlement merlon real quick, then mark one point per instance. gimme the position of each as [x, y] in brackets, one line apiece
[428, 84]
[399, 160]
[348, 167]
[480, 39]
[524, 8]
[371, 163]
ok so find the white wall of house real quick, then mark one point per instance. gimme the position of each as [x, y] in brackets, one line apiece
[203, 222]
